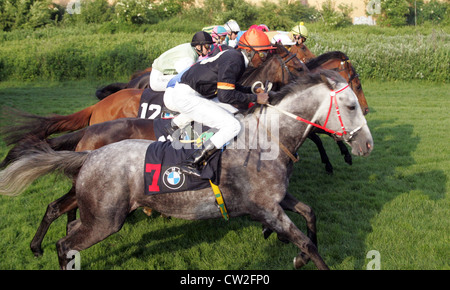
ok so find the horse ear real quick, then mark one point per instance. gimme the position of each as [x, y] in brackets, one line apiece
[327, 81]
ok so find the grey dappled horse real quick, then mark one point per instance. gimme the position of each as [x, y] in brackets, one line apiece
[109, 181]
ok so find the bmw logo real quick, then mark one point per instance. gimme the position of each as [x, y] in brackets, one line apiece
[173, 178]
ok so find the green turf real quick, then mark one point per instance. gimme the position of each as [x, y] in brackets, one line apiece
[396, 201]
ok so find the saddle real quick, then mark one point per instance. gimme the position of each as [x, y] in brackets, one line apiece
[162, 174]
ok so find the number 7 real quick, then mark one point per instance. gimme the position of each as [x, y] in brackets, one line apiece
[156, 168]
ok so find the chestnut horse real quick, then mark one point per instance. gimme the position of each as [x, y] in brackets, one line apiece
[302, 52]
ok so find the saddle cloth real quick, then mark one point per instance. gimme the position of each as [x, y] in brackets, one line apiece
[151, 105]
[162, 175]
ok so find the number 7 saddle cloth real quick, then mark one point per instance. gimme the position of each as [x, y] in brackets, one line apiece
[162, 174]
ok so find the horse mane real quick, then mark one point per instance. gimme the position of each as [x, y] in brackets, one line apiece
[250, 70]
[321, 59]
[305, 82]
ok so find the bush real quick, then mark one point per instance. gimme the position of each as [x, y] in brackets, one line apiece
[28, 14]
[135, 12]
[393, 13]
[92, 11]
[434, 12]
[335, 18]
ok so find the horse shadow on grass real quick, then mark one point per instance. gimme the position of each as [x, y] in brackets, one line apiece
[347, 202]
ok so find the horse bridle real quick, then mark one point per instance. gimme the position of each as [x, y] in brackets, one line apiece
[350, 77]
[333, 98]
[284, 66]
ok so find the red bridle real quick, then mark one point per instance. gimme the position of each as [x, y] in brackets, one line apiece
[332, 97]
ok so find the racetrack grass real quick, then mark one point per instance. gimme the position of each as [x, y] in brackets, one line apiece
[395, 201]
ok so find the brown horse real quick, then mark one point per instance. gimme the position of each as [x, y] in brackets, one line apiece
[339, 61]
[302, 52]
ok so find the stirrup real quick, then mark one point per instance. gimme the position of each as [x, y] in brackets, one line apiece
[195, 161]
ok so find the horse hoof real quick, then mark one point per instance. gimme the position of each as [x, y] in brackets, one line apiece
[283, 240]
[348, 159]
[300, 261]
[266, 232]
[37, 253]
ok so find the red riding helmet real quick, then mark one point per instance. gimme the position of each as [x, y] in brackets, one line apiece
[255, 39]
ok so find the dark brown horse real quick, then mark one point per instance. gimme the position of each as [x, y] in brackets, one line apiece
[139, 80]
[105, 200]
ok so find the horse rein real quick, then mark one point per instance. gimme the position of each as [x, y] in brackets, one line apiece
[333, 94]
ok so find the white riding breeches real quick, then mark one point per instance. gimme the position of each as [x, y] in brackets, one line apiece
[193, 107]
[158, 80]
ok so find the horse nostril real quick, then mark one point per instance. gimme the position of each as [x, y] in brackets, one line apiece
[366, 111]
[369, 146]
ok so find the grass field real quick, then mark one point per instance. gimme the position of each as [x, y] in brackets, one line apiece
[395, 201]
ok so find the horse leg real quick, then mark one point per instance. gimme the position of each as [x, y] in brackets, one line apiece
[292, 204]
[96, 223]
[344, 151]
[66, 203]
[276, 219]
[323, 154]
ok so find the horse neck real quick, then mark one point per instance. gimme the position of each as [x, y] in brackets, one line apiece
[289, 132]
[267, 71]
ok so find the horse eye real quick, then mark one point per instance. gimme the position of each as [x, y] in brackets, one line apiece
[351, 108]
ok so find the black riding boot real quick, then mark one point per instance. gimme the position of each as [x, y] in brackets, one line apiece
[193, 164]
[170, 129]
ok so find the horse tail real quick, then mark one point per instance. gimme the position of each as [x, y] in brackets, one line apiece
[109, 90]
[41, 127]
[64, 142]
[36, 161]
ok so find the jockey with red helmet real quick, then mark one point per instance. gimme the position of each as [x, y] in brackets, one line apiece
[216, 76]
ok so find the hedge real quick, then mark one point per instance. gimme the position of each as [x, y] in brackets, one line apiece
[378, 53]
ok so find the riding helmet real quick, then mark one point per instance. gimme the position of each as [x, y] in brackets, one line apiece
[255, 39]
[201, 38]
[300, 29]
[232, 26]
